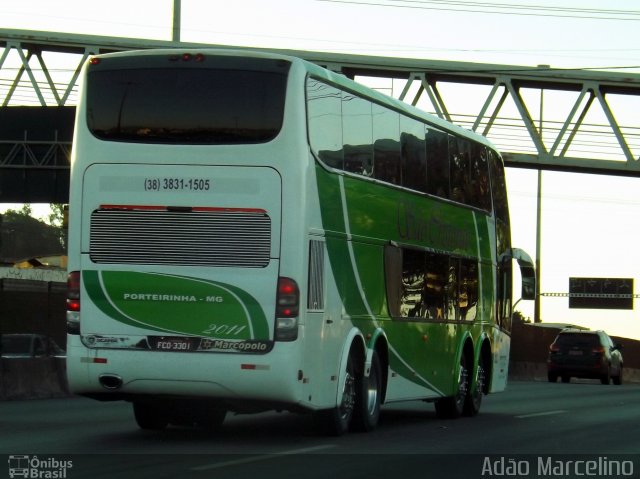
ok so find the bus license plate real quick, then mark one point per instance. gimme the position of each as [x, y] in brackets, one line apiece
[173, 344]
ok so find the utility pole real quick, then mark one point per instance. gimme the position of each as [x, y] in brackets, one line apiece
[536, 311]
[175, 32]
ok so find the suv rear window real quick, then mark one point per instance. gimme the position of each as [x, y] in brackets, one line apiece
[578, 339]
[164, 99]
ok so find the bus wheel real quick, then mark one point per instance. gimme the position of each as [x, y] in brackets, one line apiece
[368, 399]
[150, 416]
[452, 407]
[474, 398]
[336, 421]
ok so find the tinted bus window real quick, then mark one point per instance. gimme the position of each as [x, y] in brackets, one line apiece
[480, 185]
[356, 135]
[325, 122]
[503, 241]
[414, 154]
[386, 138]
[500, 204]
[427, 285]
[186, 105]
[459, 166]
[413, 276]
[468, 294]
[437, 163]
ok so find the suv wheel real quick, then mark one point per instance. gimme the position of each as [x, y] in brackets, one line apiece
[617, 380]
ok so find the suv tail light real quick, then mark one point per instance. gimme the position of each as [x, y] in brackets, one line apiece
[73, 302]
[287, 310]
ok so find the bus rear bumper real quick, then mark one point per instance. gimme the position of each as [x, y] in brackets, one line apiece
[234, 380]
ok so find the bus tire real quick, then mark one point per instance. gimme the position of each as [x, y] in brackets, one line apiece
[474, 397]
[150, 416]
[452, 407]
[336, 421]
[368, 399]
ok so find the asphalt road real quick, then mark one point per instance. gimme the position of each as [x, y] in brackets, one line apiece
[531, 420]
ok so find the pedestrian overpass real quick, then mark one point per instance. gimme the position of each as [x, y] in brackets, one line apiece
[539, 117]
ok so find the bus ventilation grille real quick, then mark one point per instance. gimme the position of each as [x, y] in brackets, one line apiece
[315, 297]
[193, 238]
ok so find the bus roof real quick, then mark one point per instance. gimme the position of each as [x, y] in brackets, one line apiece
[337, 79]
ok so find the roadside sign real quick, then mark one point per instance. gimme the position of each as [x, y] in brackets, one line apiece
[601, 293]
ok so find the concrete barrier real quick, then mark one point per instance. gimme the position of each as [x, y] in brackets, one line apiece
[535, 371]
[527, 371]
[33, 378]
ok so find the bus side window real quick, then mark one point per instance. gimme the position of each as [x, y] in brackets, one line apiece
[437, 163]
[427, 285]
[413, 280]
[459, 164]
[500, 204]
[504, 293]
[356, 134]
[480, 177]
[468, 293]
[503, 240]
[393, 278]
[414, 154]
[386, 138]
[436, 287]
[324, 110]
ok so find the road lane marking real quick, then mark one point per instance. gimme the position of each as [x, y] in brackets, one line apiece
[540, 414]
[263, 457]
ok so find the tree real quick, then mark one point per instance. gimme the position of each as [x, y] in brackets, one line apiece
[518, 318]
[26, 210]
[56, 218]
[22, 236]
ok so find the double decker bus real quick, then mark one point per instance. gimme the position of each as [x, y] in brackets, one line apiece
[250, 231]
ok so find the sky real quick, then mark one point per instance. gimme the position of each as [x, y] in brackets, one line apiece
[589, 226]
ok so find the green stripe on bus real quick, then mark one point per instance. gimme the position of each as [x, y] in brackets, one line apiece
[177, 304]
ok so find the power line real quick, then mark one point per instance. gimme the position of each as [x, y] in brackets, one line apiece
[593, 11]
[501, 9]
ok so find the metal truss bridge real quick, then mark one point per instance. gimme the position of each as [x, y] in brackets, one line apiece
[539, 117]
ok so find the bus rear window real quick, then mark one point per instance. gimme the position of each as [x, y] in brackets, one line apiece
[186, 104]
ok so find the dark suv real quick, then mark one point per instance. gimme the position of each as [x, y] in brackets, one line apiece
[584, 354]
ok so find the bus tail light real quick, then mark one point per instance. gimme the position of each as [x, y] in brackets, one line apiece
[73, 302]
[287, 310]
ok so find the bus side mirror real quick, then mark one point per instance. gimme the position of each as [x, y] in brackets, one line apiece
[528, 273]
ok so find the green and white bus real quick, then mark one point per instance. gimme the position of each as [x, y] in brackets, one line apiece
[250, 231]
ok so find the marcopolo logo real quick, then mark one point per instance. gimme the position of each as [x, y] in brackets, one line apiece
[38, 468]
